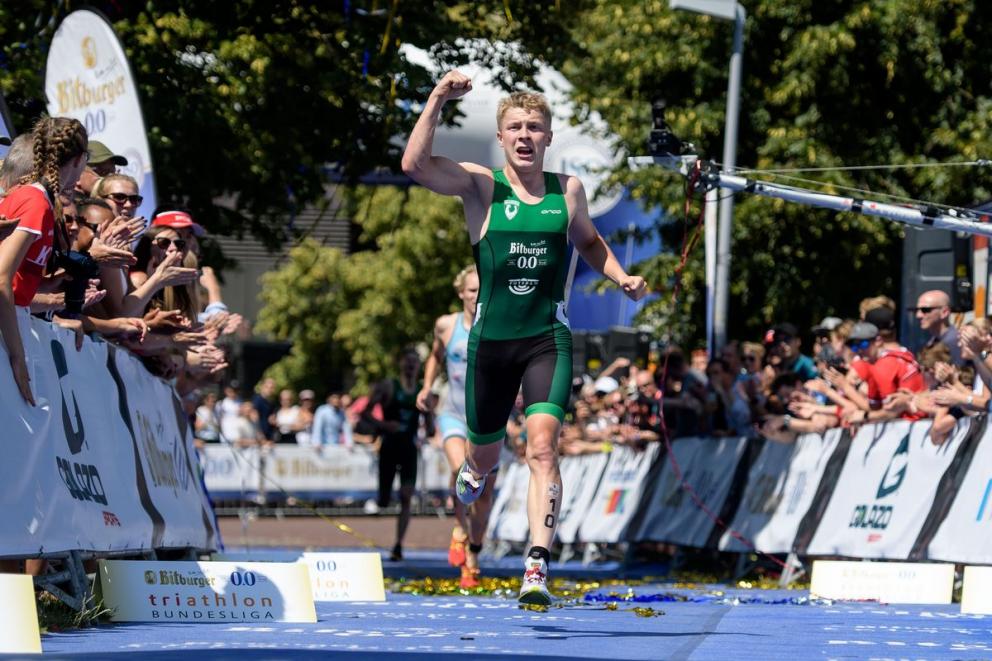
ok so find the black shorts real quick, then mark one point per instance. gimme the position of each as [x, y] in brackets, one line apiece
[396, 455]
[498, 369]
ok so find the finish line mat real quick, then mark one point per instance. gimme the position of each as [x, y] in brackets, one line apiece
[685, 624]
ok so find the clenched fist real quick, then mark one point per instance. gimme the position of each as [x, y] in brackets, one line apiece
[453, 85]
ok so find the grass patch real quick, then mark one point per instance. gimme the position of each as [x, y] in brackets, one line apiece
[54, 616]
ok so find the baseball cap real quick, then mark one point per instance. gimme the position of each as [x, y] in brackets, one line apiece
[100, 153]
[781, 333]
[606, 384]
[863, 330]
[883, 318]
[827, 324]
[178, 220]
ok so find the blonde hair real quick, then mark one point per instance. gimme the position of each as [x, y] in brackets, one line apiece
[844, 330]
[459, 282]
[56, 141]
[527, 101]
[982, 324]
[99, 188]
[876, 302]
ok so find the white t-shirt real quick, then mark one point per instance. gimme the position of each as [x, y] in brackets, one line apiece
[237, 428]
[286, 418]
[209, 425]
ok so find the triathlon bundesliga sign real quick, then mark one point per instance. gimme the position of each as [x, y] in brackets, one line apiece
[207, 591]
[88, 77]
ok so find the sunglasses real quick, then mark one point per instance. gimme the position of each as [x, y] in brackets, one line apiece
[927, 309]
[79, 220]
[859, 345]
[163, 243]
[121, 198]
[751, 358]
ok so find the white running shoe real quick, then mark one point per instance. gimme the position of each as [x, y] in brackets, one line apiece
[467, 487]
[534, 588]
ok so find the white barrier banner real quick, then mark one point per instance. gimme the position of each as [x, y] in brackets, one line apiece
[434, 473]
[75, 476]
[885, 491]
[509, 515]
[779, 492]
[965, 535]
[580, 480]
[230, 472]
[708, 466]
[88, 77]
[168, 476]
[619, 492]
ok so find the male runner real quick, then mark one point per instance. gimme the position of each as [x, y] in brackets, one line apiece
[451, 348]
[519, 220]
[398, 433]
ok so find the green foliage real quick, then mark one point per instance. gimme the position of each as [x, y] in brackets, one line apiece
[256, 103]
[359, 310]
[824, 84]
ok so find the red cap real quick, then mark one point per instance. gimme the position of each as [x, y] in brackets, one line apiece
[178, 220]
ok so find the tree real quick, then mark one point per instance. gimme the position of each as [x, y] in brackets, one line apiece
[258, 103]
[358, 310]
[825, 84]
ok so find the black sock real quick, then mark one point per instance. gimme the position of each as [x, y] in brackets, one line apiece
[475, 548]
[540, 552]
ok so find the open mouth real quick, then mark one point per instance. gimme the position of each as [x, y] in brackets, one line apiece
[525, 150]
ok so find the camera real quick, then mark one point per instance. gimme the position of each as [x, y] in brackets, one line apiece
[81, 268]
[662, 142]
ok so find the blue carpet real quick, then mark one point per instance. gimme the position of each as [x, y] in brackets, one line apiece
[419, 563]
[739, 624]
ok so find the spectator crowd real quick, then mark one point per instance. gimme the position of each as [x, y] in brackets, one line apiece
[74, 251]
[857, 372]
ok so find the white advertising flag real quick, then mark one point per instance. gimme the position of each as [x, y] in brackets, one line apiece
[88, 77]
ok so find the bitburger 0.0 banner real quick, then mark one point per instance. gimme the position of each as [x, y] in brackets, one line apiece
[88, 77]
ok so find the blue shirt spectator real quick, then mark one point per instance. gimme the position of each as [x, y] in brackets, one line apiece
[330, 424]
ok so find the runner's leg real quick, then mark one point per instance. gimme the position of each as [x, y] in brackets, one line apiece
[544, 492]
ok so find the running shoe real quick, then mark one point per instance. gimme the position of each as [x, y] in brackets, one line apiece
[397, 553]
[470, 578]
[534, 588]
[456, 549]
[467, 487]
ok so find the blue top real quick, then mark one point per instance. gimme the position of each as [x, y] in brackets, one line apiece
[331, 427]
[456, 365]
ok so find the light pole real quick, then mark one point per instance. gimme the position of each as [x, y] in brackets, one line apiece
[716, 324]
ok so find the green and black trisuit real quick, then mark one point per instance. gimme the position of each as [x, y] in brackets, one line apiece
[520, 335]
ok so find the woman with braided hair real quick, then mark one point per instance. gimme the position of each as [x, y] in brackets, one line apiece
[59, 159]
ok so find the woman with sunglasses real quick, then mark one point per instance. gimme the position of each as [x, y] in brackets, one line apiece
[159, 274]
[120, 191]
[161, 254]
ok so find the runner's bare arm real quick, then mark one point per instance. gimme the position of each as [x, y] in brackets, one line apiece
[434, 361]
[440, 174]
[592, 246]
